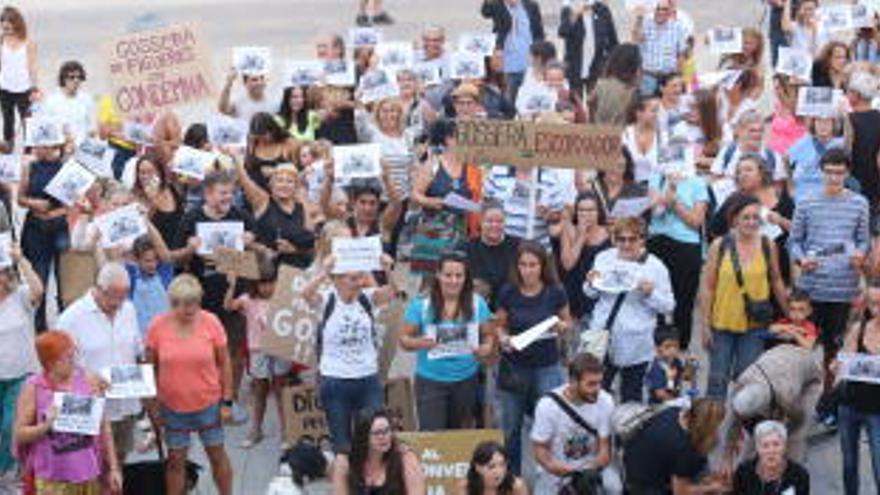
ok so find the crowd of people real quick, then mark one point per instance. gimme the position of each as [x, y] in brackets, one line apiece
[737, 225]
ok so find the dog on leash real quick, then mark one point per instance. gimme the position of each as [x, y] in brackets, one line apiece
[300, 465]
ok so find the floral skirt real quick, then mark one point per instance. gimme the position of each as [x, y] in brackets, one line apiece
[46, 487]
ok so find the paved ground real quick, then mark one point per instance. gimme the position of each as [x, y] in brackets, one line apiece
[68, 29]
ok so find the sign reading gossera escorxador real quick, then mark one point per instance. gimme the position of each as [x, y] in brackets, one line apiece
[159, 69]
[525, 144]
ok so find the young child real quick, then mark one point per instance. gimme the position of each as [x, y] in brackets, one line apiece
[267, 372]
[665, 374]
[796, 328]
[149, 275]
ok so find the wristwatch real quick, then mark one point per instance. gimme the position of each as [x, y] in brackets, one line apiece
[226, 403]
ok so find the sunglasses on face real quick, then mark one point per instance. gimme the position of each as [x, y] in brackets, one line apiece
[74, 77]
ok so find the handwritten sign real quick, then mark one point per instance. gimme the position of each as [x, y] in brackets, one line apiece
[445, 456]
[80, 414]
[529, 144]
[293, 322]
[130, 381]
[242, 263]
[357, 254]
[152, 71]
[306, 419]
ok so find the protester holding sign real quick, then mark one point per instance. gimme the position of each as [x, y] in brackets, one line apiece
[803, 26]
[347, 346]
[378, 462]
[44, 235]
[253, 99]
[449, 328]
[269, 146]
[188, 350]
[533, 295]
[61, 462]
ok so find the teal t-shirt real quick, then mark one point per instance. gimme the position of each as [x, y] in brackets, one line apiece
[452, 360]
[689, 192]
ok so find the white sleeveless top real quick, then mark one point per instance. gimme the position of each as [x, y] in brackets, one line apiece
[644, 164]
[14, 75]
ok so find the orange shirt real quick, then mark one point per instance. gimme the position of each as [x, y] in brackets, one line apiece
[188, 377]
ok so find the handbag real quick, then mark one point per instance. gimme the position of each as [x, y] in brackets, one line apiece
[759, 312]
[584, 481]
[595, 341]
[509, 378]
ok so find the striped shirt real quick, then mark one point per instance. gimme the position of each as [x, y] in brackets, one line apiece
[396, 150]
[829, 228]
[662, 44]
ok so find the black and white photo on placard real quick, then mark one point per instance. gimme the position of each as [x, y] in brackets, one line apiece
[364, 36]
[479, 43]
[357, 161]
[124, 374]
[395, 56]
[303, 73]
[77, 405]
[836, 17]
[121, 225]
[817, 101]
[377, 85]
[795, 63]
[137, 132]
[428, 73]
[96, 155]
[227, 131]
[70, 183]
[725, 40]
[43, 131]
[252, 60]
[467, 65]
[191, 162]
[339, 73]
[78, 414]
[536, 98]
[215, 235]
[10, 167]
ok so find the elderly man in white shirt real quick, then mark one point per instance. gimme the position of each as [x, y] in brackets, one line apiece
[104, 325]
[637, 283]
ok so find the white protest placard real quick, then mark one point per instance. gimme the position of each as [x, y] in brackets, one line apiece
[630, 207]
[859, 367]
[70, 183]
[466, 65]
[676, 161]
[96, 155]
[10, 167]
[191, 162]
[43, 131]
[137, 132]
[5, 249]
[376, 85]
[219, 234]
[302, 73]
[835, 18]
[536, 98]
[643, 4]
[459, 202]
[524, 339]
[482, 44]
[357, 161]
[339, 73]
[79, 414]
[130, 381]
[862, 15]
[356, 254]
[725, 40]
[618, 277]
[252, 60]
[818, 101]
[121, 225]
[394, 56]
[428, 73]
[364, 36]
[795, 63]
[452, 338]
[224, 130]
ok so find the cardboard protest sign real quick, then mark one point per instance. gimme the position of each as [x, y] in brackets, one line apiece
[528, 144]
[306, 419]
[293, 322]
[446, 455]
[242, 263]
[156, 70]
[78, 271]
[357, 254]
[10, 167]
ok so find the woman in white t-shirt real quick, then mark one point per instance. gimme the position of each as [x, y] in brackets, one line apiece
[641, 137]
[804, 30]
[18, 70]
[347, 347]
[18, 358]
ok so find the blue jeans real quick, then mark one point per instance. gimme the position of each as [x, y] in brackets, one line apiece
[731, 354]
[342, 399]
[9, 390]
[850, 423]
[516, 405]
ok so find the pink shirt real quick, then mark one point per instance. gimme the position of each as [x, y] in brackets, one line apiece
[188, 377]
[785, 130]
[256, 315]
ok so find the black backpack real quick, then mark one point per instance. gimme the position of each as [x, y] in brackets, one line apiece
[365, 303]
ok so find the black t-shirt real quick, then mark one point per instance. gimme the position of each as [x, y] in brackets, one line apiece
[747, 482]
[276, 224]
[660, 451]
[865, 146]
[213, 282]
[492, 263]
[525, 312]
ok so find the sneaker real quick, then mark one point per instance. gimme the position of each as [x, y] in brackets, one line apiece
[362, 20]
[383, 18]
[252, 440]
[239, 415]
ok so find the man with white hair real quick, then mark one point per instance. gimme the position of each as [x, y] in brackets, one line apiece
[864, 140]
[103, 323]
[783, 384]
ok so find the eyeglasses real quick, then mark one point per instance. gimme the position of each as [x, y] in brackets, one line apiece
[75, 77]
[627, 239]
[381, 432]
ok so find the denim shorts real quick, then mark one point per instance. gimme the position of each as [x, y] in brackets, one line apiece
[178, 427]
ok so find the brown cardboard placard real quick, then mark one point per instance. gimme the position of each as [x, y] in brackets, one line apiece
[446, 455]
[78, 271]
[242, 263]
[159, 69]
[293, 323]
[523, 143]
